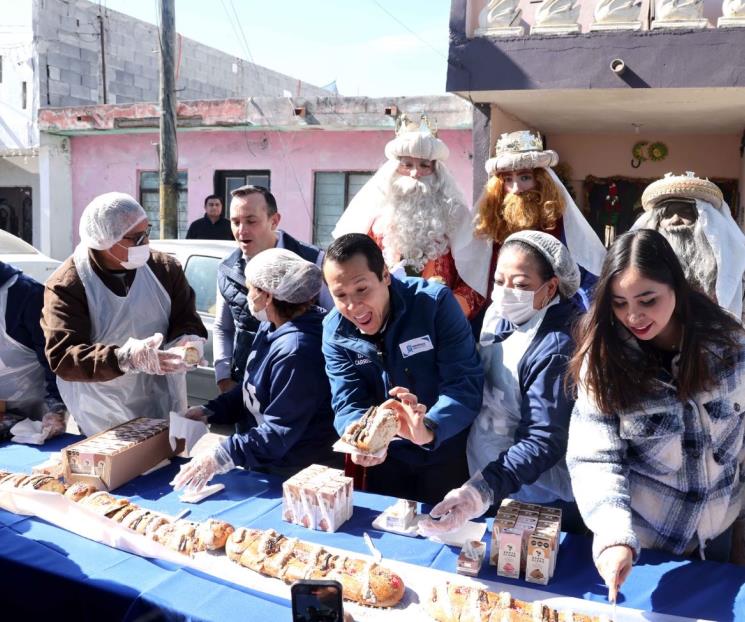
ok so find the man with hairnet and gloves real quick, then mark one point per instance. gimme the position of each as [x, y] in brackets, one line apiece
[27, 385]
[517, 444]
[284, 398]
[108, 310]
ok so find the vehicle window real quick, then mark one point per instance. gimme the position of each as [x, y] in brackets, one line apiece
[201, 272]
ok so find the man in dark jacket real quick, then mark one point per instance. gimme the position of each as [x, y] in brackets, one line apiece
[213, 225]
[254, 219]
[26, 382]
[409, 339]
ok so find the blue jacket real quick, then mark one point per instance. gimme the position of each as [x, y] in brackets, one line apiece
[446, 376]
[22, 323]
[286, 383]
[231, 283]
[541, 437]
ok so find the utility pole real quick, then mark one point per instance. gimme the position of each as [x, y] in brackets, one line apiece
[168, 147]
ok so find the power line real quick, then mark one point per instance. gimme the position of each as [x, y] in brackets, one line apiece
[413, 32]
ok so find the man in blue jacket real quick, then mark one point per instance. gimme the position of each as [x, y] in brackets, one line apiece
[408, 339]
[26, 382]
[254, 220]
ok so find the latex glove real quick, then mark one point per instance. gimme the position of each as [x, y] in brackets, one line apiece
[614, 565]
[140, 355]
[198, 413]
[195, 474]
[54, 423]
[460, 505]
[410, 416]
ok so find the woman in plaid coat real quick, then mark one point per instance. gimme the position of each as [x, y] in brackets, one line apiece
[655, 448]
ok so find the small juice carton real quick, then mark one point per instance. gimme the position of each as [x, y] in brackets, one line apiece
[471, 558]
[538, 558]
[510, 552]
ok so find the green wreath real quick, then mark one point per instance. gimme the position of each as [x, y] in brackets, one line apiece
[657, 151]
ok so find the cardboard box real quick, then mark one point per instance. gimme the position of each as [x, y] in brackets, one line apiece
[471, 558]
[113, 457]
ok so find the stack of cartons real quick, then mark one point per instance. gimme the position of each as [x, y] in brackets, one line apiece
[317, 497]
[525, 541]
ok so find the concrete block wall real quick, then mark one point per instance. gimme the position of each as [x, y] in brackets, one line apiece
[68, 40]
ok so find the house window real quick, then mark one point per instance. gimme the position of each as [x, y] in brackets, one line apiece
[333, 192]
[150, 200]
[227, 181]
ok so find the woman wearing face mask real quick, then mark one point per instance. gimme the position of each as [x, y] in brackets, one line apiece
[517, 443]
[655, 447]
[285, 394]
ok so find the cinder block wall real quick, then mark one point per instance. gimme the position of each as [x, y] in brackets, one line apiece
[68, 44]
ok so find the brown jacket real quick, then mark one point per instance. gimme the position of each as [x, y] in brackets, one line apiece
[67, 325]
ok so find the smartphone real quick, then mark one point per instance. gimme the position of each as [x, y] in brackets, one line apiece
[316, 601]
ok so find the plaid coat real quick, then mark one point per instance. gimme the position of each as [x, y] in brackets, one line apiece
[668, 475]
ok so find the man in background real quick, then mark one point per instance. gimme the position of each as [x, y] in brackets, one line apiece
[213, 225]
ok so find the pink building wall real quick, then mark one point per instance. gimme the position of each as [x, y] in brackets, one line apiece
[108, 162]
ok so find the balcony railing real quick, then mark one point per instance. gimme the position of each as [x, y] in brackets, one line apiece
[517, 18]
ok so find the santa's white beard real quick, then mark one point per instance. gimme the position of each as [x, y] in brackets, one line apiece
[696, 256]
[415, 221]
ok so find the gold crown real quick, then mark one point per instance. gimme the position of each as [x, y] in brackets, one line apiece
[521, 141]
[404, 125]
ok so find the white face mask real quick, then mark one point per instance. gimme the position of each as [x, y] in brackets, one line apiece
[137, 257]
[515, 305]
[259, 315]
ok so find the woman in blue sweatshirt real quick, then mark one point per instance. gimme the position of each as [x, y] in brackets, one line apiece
[285, 394]
[517, 444]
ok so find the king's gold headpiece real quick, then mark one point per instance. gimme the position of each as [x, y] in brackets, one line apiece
[405, 124]
[518, 142]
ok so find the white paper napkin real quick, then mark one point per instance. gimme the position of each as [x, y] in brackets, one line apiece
[29, 432]
[190, 430]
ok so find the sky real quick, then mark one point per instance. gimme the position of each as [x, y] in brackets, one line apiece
[375, 48]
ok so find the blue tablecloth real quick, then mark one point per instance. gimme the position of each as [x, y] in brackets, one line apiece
[45, 570]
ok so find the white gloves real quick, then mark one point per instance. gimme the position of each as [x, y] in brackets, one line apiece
[144, 355]
[195, 474]
[54, 423]
[469, 501]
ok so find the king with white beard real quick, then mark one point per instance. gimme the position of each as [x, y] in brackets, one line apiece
[692, 215]
[415, 212]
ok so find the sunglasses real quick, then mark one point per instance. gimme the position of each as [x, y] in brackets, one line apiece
[139, 239]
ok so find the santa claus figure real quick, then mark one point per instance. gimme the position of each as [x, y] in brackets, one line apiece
[523, 193]
[415, 212]
[693, 216]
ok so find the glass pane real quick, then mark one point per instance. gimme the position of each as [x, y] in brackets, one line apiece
[356, 181]
[328, 205]
[231, 183]
[258, 180]
[149, 180]
[150, 201]
[201, 272]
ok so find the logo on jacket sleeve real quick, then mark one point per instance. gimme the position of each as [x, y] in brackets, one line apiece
[361, 359]
[415, 346]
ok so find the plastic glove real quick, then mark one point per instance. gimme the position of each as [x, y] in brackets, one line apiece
[195, 474]
[140, 355]
[471, 500]
[198, 413]
[54, 422]
[193, 341]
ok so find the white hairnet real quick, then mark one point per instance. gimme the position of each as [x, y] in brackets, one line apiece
[564, 266]
[285, 275]
[107, 218]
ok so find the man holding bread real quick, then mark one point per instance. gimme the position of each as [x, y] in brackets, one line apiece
[405, 339]
[107, 310]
